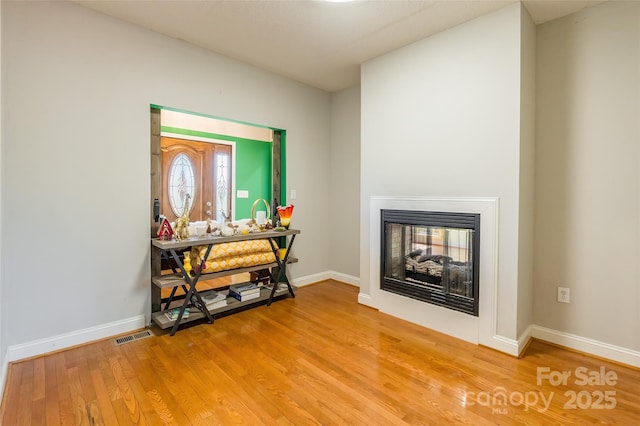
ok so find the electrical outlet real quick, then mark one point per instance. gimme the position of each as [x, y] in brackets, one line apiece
[564, 295]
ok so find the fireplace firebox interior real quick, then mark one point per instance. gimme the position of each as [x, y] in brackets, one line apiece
[432, 257]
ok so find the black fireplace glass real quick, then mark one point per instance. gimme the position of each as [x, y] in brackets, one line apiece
[431, 257]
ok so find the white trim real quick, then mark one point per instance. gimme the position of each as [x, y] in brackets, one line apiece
[365, 299]
[344, 278]
[478, 330]
[311, 279]
[326, 275]
[524, 339]
[4, 369]
[504, 344]
[589, 346]
[197, 138]
[74, 338]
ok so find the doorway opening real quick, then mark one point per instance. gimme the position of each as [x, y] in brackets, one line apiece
[223, 165]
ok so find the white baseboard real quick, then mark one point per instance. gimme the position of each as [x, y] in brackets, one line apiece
[524, 338]
[326, 275]
[3, 373]
[589, 346]
[311, 279]
[365, 299]
[503, 344]
[567, 340]
[344, 278]
[74, 338]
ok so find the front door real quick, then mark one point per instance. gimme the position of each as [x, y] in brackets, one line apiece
[200, 169]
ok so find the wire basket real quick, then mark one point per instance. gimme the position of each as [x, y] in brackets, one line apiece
[261, 227]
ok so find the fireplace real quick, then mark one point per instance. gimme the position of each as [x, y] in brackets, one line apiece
[432, 257]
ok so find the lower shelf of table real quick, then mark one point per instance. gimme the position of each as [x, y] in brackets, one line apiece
[176, 279]
[160, 319]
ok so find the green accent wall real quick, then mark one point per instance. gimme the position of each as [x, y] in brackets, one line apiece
[253, 174]
[283, 168]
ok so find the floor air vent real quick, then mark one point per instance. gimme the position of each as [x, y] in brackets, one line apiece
[130, 338]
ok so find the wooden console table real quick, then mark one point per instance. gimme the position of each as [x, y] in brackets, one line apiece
[180, 277]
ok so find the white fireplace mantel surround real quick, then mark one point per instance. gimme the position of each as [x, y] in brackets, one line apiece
[477, 330]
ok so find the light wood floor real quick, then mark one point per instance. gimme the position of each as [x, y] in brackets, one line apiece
[317, 359]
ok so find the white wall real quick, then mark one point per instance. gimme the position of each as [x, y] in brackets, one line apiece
[588, 174]
[441, 118]
[527, 173]
[343, 211]
[3, 299]
[75, 247]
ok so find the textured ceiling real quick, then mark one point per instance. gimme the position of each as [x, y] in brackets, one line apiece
[316, 42]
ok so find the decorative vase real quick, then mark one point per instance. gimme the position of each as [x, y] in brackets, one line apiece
[285, 215]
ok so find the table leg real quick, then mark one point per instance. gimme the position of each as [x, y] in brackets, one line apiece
[191, 283]
[282, 273]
